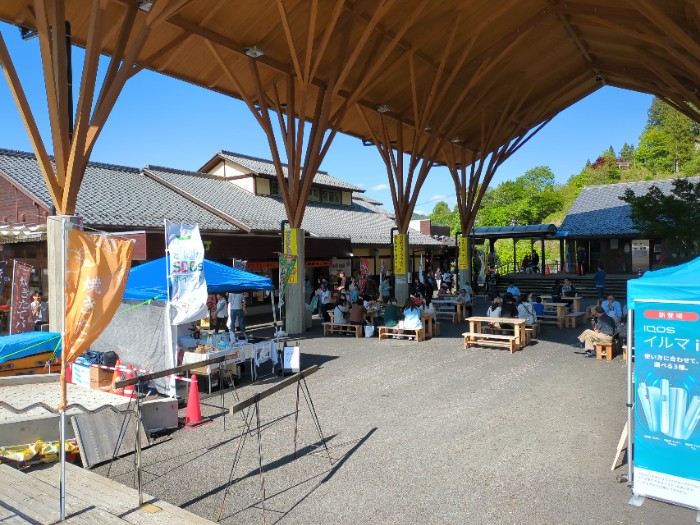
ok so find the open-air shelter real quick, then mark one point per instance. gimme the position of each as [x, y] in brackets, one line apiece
[464, 84]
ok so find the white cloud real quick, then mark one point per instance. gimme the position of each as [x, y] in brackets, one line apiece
[438, 198]
[419, 212]
[380, 187]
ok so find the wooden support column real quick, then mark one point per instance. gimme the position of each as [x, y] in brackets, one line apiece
[298, 103]
[72, 148]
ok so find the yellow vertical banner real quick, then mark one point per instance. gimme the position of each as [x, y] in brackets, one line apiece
[97, 267]
[291, 248]
[400, 250]
[463, 253]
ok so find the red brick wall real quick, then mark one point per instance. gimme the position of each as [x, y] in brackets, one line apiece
[14, 204]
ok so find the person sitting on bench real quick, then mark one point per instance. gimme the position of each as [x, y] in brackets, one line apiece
[339, 312]
[392, 313]
[603, 331]
[357, 312]
[568, 290]
[411, 315]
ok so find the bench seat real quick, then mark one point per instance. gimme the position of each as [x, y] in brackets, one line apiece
[386, 332]
[333, 328]
[571, 319]
[487, 339]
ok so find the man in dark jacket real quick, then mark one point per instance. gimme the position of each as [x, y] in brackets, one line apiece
[603, 331]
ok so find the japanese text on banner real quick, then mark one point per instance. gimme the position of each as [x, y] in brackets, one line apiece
[463, 253]
[400, 242]
[291, 248]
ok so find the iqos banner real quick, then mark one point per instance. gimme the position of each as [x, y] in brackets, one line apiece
[667, 402]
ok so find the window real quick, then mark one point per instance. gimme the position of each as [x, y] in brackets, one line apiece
[316, 195]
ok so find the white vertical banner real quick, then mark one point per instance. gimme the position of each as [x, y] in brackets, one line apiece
[188, 287]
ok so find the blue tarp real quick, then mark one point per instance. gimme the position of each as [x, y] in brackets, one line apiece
[678, 283]
[148, 281]
[29, 343]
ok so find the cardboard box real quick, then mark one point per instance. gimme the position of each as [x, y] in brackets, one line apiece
[80, 374]
[100, 378]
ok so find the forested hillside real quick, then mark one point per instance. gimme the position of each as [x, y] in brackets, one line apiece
[667, 148]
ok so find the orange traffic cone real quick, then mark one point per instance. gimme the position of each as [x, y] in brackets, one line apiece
[193, 416]
[116, 376]
[129, 390]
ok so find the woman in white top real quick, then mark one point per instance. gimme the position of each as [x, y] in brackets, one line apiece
[339, 312]
[495, 308]
[411, 315]
[429, 309]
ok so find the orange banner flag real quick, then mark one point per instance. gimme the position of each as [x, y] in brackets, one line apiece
[97, 268]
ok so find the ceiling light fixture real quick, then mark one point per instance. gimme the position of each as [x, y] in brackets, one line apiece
[455, 140]
[144, 5]
[253, 52]
[383, 108]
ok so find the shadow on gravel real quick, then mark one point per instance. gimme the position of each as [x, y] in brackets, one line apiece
[330, 473]
[284, 460]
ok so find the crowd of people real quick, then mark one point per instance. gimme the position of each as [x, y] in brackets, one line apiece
[229, 312]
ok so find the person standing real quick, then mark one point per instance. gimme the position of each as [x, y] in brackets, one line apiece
[236, 311]
[221, 313]
[40, 311]
[438, 278]
[581, 260]
[599, 278]
[535, 261]
[447, 280]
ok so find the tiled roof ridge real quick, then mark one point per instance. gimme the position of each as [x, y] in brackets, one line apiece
[633, 182]
[258, 159]
[92, 164]
[153, 167]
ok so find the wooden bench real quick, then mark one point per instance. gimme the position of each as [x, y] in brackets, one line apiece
[333, 328]
[386, 332]
[446, 314]
[549, 319]
[571, 319]
[606, 350]
[488, 339]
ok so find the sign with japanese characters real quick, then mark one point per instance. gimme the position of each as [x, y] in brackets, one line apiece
[291, 249]
[21, 319]
[463, 253]
[97, 267]
[188, 286]
[667, 402]
[400, 253]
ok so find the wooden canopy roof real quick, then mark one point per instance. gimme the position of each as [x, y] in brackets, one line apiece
[513, 62]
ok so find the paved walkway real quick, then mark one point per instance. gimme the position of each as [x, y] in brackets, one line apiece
[420, 433]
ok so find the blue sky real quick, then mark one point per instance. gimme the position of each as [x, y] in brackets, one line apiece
[161, 121]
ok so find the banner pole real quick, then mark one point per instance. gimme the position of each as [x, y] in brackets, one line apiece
[630, 397]
[172, 389]
[62, 379]
[12, 295]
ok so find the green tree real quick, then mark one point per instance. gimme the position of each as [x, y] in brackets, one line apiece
[627, 152]
[668, 140]
[673, 217]
[442, 214]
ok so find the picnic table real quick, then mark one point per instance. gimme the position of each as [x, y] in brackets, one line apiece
[451, 306]
[554, 314]
[427, 324]
[477, 336]
[576, 301]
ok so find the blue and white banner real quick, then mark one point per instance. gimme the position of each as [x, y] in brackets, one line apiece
[188, 288]
[667, 402]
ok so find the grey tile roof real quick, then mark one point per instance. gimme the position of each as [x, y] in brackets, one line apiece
[267, 168]
[115, 196]
[598, 211]
[363, 223]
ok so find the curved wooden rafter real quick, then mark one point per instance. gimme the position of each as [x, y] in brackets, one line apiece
[72, 151]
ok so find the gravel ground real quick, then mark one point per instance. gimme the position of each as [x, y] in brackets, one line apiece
[418, 433]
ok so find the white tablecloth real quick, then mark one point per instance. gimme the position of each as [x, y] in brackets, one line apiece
[238, 354]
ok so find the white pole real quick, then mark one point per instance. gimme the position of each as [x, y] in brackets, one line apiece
[63, 386]
[172, 389]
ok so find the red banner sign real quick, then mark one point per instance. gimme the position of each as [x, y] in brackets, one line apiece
[21, 318]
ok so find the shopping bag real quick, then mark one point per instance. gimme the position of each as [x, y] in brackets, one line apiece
[369, 330]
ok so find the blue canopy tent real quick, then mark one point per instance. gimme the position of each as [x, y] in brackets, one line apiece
[148, 281]
[663, 327]
[678, 283]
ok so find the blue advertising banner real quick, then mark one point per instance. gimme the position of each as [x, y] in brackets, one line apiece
[667, 402]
